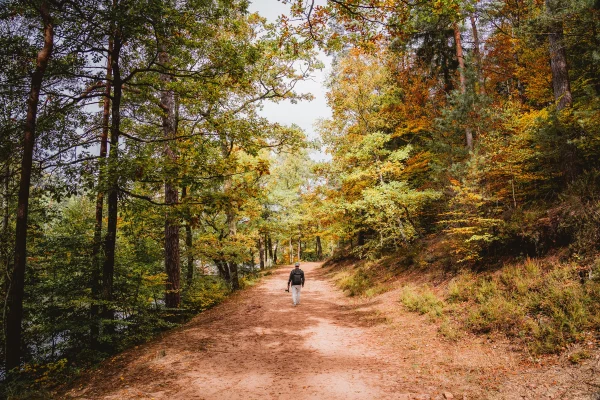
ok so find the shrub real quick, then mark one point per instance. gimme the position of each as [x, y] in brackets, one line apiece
[460, 288]
[550, 306]
[205, 292]
[566, 309]
[496, 314]
[375, 291]
[356, 283]
[522, 279]
[450, 330]
[423, 301]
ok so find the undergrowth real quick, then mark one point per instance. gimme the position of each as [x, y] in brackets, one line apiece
[422, 300]
[37, 380]
[547, 305]
[359, 282]
[206, 293]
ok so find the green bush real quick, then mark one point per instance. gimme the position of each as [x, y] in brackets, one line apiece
[422, 300]
[522, 279]
[551, 306]
[485, 290]
[450, 330]
[566, 309]
[376, 290]
[496, 314]
[206, 292]
[460, 288]
[356, 283]
[548, 305]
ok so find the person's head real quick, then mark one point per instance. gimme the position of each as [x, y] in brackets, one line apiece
[297, 265]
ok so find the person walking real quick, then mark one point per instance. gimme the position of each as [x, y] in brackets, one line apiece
[297, 282]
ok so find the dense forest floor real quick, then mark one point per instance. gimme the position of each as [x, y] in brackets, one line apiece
[256, 345]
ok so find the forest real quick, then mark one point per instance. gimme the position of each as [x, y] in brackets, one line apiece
[140, 184]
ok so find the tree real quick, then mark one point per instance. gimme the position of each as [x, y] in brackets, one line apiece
[14, 314]
[51, 136]
[96, 256]
[558, 58]
[169, 123]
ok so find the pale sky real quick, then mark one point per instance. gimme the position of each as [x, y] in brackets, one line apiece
[305, 113]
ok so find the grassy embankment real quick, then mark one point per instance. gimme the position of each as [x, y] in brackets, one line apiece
[547, 304]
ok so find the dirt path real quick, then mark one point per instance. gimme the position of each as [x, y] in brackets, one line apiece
[257, 346]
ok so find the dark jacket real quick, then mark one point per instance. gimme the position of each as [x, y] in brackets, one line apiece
[296, 272]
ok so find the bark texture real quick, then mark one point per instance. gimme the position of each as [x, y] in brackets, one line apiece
[96, 268]
[561, 84]
[188, 245]
[270, 249]
[172, 256]
[261, 253]
[462, 78]
[477, 54]
[110, 238]
[231, 218]
[319, 248]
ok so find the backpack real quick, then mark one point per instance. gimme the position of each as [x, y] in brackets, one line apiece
[297, 277]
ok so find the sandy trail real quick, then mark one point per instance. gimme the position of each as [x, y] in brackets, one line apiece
[256, 345]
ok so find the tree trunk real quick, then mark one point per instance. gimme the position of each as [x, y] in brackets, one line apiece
[110, 238]
[460, 58]
[270, 247]
[448, 83]
[230, 214]
[231, 223]
[477, 53]
[299, 249]
[275, 253]
[172, 259]
[319, 248]
[223, 269]
[172, 256]
[558, 60]
[4, 243]
[291, 252]
[361, 238]
[190, 255]
[16, 289]
[462, 79]
[96, 259]
[266, 246]
[188, 245]
[232, 229]
[233, 275]
[261, 253]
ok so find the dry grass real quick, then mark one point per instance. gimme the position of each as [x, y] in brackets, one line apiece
[543, 302]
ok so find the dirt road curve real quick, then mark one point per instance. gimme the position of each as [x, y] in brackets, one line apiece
[257, 346]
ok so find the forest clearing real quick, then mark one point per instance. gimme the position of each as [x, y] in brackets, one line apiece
[164, 162]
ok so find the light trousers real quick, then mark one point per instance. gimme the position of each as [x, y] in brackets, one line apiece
[296, 294]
